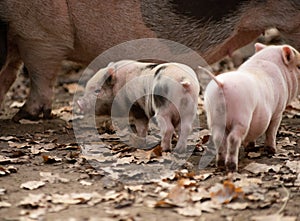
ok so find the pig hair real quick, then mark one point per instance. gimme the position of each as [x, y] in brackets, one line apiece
[219, 83]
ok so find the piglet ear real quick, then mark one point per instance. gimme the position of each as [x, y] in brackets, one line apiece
[186, 84]
[110, 64]
[111, 74]
[287, 55]
[259, 46]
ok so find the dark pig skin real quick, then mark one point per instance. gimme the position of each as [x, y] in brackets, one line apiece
[3, 42]
[42, 33]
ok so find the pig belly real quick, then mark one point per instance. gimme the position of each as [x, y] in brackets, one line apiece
[259, 124]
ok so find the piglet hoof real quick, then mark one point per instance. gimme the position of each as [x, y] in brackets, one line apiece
[231, 167]
[164, 149]
[221, 164]
[270, 150]
[251, 147]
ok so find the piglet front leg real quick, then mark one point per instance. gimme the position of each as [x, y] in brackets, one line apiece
[270, 142]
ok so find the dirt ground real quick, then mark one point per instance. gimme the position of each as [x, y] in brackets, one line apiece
[70, 187]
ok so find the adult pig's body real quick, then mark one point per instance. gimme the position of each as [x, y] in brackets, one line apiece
[249, 102]
[43, 33]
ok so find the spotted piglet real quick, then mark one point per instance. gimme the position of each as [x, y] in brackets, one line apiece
[169, 92]
[243, 105]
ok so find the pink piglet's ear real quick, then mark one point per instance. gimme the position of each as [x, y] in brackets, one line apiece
[287, 55]
[111, 75]
[259, 46]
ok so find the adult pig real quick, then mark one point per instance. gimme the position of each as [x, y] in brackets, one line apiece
[251, 100]
[167, 91]
[44, 32]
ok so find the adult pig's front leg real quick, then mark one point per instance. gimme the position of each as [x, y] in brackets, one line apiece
[42, 70]
[10, 70]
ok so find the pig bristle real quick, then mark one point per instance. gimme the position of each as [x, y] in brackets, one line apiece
[219, 83]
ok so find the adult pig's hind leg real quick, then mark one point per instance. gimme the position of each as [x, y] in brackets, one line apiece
[43, 62]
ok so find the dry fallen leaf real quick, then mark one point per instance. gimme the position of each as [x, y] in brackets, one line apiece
[9, 138]
[64, 113]
[6, 160]
[4, 204]
[189, 211]
[36, 214]
[237, 206]
[7, 170]
[177, 196]
[203, 176]
[210, 206]
[134, 188]
[32, 185]
[257, 168]
[253, 155]
[293, 165]
[85, 183]
[52, 178]
[17, 104]
[224, 193]
[37, 149]
[72, 198]
[73, 88]
[200, 194]
[297, 181]
[285, 142]
[34, 200]
[51, 159]
[124, 160]
[2, 191]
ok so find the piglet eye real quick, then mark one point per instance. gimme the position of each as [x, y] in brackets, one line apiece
[298, 66]
[97, 91]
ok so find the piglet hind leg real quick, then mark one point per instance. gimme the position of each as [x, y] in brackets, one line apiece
[166, 130]
[220, 144]
[234, 141]
[183, 132]
[141, 127]
[42, 72]
[270, 142]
